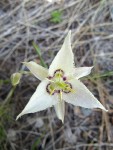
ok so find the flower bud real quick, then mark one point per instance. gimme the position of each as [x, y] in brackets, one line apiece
[15, 78]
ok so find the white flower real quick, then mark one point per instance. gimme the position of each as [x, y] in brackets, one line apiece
[59, 84]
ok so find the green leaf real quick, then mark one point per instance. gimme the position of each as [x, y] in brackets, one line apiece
[105, 74]
[39, 54]
[36, 144]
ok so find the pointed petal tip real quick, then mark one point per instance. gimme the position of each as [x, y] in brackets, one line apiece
[102, 107]
[82, 71]
[17, 117]
[68, 37]
[105, 109]
[91, 67]
[62, 121]
[69, 33]
[24, 62]
[21, 114]
[27, 63]
[37, 70]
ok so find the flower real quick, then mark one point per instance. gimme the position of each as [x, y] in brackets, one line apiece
[59, 84]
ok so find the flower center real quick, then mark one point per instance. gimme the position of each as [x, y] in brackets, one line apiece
[58, 83]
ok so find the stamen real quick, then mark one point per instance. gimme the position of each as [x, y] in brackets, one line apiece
[67, 88]
[71, 90]
[52, 92]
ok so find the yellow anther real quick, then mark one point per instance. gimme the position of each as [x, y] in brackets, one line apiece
[51, 93]
[60, 84]
[71, 90]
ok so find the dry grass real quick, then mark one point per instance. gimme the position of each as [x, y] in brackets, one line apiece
[91, 22]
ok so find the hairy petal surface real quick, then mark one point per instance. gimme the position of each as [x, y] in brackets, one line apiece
[64, 59]
[60, 110]
[82, 71]
[82, 96]
[40, 100]
[37, 70]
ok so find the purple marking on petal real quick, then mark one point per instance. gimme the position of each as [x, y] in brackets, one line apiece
[68, 85]
[64, 78]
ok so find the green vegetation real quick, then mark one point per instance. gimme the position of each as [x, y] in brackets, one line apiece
[39, 55]
[56, 16]
[102, 75]
[36, 144]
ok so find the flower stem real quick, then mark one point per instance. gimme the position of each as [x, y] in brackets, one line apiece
[39, 55]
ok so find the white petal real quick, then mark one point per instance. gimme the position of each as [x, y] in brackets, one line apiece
[60, 110]
[82, 71]
[40, 100]
[37, 70]
[64, 59]
[82, 96]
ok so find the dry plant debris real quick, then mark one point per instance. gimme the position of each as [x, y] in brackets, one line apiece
[22, 22]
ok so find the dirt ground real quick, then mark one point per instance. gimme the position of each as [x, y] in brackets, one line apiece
[47, 23]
